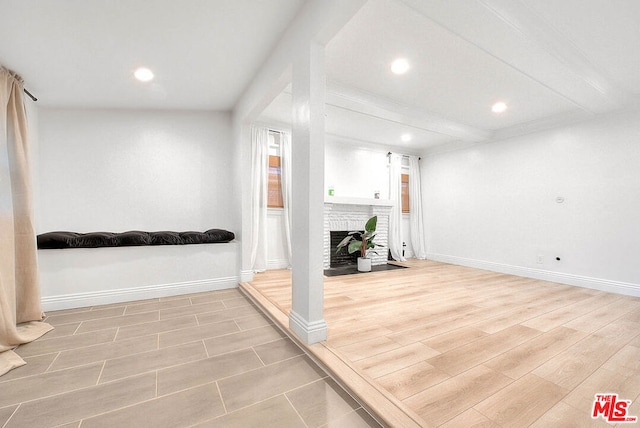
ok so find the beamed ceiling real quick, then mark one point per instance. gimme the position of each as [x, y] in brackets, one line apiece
[551, 62]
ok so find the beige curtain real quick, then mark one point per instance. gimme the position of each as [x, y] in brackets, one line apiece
[20, 310]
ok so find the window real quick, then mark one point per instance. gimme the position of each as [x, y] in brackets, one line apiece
[275, 189]
[275, 170]
[405, 192]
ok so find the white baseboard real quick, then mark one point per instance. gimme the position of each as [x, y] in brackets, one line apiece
[308, 332]
[619, 287]
[103, 297]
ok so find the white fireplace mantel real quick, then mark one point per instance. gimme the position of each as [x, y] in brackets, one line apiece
[343, 200]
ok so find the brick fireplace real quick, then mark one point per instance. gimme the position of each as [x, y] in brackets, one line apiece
[351, 214]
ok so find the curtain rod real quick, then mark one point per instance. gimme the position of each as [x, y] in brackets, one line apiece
[29, 94]
[406, 156]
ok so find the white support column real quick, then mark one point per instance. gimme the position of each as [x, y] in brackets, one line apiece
[308, 94]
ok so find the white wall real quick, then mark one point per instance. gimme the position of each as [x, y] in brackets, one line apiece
[277, 257]
[81, 277]
[406, 236]
[358, 171]
[355, 171]
[117, 170]
[494, 205]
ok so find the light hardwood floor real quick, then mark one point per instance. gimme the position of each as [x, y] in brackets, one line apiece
[462, 347]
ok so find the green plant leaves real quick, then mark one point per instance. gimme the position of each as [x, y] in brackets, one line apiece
[355, 246]
[359, 241]
[344, 242]
[371, 224]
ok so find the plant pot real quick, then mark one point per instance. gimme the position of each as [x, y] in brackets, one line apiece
[364, 264]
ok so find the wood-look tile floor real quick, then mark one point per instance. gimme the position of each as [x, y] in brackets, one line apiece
[466, 347]
[206, 360]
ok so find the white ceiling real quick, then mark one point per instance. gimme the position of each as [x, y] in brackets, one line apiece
[79, 53]
[550, 61]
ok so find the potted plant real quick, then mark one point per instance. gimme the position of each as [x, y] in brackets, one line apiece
[363, 242]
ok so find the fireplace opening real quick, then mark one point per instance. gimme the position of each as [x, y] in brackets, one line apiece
[342, 258]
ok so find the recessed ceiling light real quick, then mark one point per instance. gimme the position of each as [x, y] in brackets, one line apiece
[405, 138]
[400, 66]
[143, 74]
[499, 107]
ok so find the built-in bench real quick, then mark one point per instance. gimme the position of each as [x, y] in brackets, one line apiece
[89, 269]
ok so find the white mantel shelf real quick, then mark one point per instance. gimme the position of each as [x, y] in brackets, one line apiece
[344, 200]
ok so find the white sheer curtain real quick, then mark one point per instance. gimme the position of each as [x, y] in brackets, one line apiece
[395, 218]
[259, 196]
[285, 180]
[415, 210]
[20, 310]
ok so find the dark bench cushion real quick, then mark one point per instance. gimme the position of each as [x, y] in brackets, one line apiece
[63, 239]
[133, 238]
[165, 238]
[218, 235]
[95, 240]
[59, 239]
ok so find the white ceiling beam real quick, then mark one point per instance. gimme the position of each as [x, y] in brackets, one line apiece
[317, 20]
[366, 103]
[543, 124]
[515, 34]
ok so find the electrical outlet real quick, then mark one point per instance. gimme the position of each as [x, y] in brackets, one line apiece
[540, 259]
